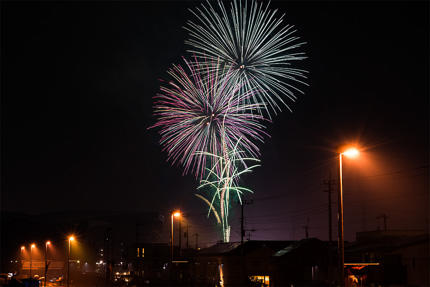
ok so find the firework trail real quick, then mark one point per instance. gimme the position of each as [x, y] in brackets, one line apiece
[195, 110]
[211, 207]
[223, 182]
[257, 47]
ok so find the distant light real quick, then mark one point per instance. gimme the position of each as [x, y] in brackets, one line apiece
[78, 261]
[71, 238]
[22, 248]
[177, 214]
[351, 152]
[33, 245]
[362, 264]
[48, 242]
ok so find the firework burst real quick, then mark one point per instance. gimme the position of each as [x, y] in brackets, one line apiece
[195, 110]
[223, 182]
[258, 49]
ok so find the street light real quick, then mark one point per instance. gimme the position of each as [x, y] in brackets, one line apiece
[174, 214]
[71, 238]
[22, 256]
[46, 258]
[351, 153]
[31, 259]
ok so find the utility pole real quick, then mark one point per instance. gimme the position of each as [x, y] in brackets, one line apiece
[197, 240]
[383, 216]
[249, 232]
[242, 235]
[187, 236]
[306, 227]
[329, 183]
[242, 229]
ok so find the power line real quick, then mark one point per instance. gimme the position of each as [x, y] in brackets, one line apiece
[292, 212]
[399, 171]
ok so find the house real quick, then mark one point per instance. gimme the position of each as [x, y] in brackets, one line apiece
[402, 256]
[308, 262]
[262, 263]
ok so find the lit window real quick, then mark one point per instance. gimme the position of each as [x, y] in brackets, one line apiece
[264, 280]
[137, 251]
[143, 252]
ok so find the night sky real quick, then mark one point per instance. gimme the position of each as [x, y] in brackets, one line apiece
[77, 87]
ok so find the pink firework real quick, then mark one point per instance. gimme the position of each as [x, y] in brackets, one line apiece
[200, 112]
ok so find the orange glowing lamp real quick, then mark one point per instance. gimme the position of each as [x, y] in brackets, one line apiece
[351, 153]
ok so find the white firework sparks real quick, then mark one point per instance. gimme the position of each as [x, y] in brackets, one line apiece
[258, 47]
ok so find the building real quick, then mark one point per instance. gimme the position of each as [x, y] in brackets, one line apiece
[308, 262]
[151, 262]
[261, 263]
[402, 257]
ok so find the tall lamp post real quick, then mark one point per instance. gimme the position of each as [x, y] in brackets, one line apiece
[46, 258]
[351, 153]
[174, 214]
[71, 238]
[31, 259]
[22, 256]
